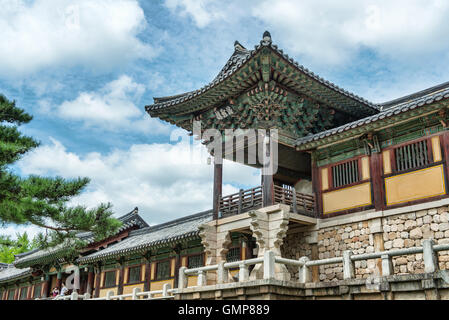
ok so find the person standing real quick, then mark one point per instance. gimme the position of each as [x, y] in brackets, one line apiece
[64, 290]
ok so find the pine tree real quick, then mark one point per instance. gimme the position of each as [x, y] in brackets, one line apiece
[43, 201]
[10, 247]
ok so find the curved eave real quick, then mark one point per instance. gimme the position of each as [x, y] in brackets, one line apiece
[376, 122]
[42, 260]
[140, 248]
[26, 273]
[211, 94]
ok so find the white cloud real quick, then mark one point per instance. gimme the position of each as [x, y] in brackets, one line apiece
[161, 179]
[12, 230]
[110, 108]
[331, 32]
[51, 33]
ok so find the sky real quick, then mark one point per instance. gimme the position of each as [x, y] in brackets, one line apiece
[86, 69]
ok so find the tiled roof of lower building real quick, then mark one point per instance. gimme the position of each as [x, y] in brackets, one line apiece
[10, 272]
[139, 241]
[42, 256]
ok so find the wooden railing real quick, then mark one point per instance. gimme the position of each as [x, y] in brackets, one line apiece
[299, 202]
[241, 201]
[250, 199]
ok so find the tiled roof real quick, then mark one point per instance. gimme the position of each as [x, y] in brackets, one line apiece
[140, 240]
[237, 60]
[128, 220]
[10, 272]
[389, 109]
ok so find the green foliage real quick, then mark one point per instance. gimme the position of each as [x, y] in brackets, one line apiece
[10, 247]
[43, 201]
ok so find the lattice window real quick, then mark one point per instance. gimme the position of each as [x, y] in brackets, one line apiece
[195, 261]
[23, 293]
[345, 173]
[134, 274]
[37, 291]
[411, 156]
[11, 294]
[233, 254]
[163, 270]
[110, 279]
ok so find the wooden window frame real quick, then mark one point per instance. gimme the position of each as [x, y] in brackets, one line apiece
[21, 293]
[9, 293]
[195, 255]
[115, 279]
[330, 177]
[157, 263]
[139, 267]
[235, 247]
[430, 163]
[38, 285]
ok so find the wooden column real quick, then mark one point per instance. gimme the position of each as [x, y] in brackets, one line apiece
[316, 185]
[267, 175]
[121, 277]
[90, 280]
[377, 181]
[59, 280]
[147, 275]
[29, 292]
[16, 292]
[97, 281]
[444, 141]
[218, 183]
[45, 286]
[177, 250]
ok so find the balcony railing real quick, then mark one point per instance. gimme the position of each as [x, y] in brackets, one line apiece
[429, 250]
[251, 199]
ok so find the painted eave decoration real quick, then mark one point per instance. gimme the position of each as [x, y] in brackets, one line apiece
[423, 102]
[262, 86]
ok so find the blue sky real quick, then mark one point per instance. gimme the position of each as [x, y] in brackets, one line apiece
[86, 69]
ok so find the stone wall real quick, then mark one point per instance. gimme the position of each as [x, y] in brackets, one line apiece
[396, 232]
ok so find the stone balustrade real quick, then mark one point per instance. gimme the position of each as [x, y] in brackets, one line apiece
[304, 264]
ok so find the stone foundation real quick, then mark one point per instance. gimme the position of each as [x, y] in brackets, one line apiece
[398, 287]
[394, 231]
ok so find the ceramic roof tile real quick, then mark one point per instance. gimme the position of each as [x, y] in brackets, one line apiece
[152, 236]
[389, 109]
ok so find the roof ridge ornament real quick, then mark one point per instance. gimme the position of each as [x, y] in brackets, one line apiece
[266, 39]
[238, 47]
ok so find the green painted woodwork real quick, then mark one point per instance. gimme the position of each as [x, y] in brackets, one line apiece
[394, 135]
[269, 106]
[306, 107]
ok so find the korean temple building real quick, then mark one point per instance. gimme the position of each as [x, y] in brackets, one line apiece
[360, 190]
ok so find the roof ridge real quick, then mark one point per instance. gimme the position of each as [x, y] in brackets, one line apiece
[171, 223]
[419, 94]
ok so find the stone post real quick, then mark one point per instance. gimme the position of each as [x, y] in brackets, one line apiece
[182, 279]
[243, 272]
[201, 280]
[135, 292]
[165, 289]
[222, 273]
[208, 235]
[387, 266]
[268, 265]
[348, 265]
[429, 257]
[305, 274]
[269, 226]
